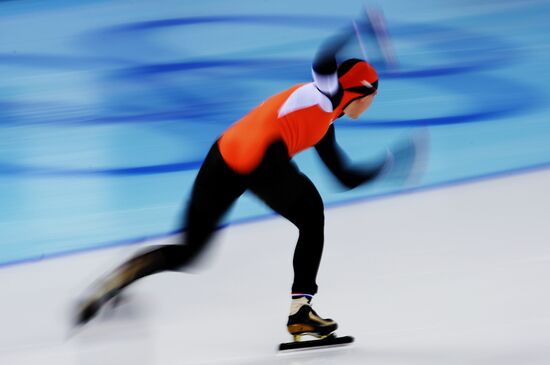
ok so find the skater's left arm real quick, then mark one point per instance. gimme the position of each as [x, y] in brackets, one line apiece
[338, 163]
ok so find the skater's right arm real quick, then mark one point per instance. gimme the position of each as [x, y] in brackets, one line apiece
[325, 66]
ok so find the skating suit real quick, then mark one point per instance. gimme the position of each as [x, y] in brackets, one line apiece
[299, 117]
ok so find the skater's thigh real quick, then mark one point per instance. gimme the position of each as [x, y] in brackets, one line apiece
[291, 194]
[216, 182]
[216, 187]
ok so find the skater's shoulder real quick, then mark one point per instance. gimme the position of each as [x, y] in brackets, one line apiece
[303, 96]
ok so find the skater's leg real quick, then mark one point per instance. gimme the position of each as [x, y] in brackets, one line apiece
[291, 194]
[298, 201]
[215, 189]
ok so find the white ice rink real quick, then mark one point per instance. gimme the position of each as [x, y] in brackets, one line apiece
[455, 275]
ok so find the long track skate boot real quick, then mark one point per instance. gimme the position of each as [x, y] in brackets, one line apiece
[110, 286]
[303, 320]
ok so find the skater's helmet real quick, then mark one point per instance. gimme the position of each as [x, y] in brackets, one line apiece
[358, 79]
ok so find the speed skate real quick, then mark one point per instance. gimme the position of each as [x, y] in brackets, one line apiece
[303, 320]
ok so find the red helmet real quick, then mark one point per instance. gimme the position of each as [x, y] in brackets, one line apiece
[358, 77]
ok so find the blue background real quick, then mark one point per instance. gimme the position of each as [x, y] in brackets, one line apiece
[108, 108]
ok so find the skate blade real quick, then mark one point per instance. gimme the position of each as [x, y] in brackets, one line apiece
[326, 342]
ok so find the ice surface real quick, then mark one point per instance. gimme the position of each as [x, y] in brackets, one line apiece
[448, 276]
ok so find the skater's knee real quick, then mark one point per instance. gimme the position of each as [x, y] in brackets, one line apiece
[312, 216]
[310, 209]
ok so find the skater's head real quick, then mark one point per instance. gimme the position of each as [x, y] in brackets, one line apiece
[359, 81]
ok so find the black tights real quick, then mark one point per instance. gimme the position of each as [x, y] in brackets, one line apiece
[278, 183]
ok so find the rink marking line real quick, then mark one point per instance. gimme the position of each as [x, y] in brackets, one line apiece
[517, 172]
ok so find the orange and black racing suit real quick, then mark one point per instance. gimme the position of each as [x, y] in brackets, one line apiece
[255, 154]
